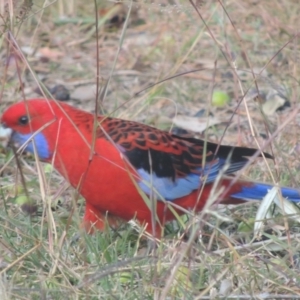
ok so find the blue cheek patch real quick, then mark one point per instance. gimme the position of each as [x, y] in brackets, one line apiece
[40, 143]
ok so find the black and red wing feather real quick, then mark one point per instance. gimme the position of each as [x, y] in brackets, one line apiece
[169, 155]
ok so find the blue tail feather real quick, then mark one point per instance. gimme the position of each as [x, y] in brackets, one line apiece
[259, 190]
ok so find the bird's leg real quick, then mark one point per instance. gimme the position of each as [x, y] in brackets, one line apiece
[94, 218]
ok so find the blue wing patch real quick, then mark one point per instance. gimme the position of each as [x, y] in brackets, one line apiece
[168, 189]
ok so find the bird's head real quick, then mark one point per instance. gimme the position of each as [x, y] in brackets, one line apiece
[26, 121]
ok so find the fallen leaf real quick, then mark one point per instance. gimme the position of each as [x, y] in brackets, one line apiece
[195, 124]
[47, 52]
[271, 105]
[84, 92]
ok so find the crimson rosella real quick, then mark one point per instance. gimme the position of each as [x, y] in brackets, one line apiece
[115, 163]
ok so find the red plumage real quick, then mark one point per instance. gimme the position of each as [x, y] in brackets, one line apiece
[108, 159]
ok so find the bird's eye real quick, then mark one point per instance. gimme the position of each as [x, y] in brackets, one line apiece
[23, 120]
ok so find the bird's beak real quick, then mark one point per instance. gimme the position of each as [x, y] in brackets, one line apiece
[5, 135]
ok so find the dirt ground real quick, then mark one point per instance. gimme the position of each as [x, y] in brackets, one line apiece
[227, 71]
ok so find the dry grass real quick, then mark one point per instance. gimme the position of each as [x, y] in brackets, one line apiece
[236, 48]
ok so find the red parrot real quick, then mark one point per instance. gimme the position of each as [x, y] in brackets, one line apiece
[114, 163]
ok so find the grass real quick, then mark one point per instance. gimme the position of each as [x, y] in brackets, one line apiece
[44, 255]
